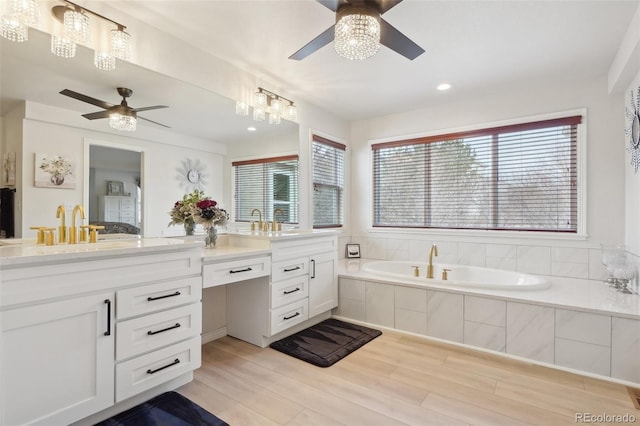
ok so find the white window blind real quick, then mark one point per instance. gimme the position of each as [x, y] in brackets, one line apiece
[328, 182]
[267, 184]
[518, 177]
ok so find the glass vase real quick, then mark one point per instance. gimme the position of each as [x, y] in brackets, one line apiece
[189, 228]
[211, 238]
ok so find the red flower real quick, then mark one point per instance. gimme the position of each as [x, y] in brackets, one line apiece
[205, 204]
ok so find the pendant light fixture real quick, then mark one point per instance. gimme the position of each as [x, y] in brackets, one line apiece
[265, 102]
[17, 17]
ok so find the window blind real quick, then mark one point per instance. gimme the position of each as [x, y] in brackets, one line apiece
[520, 177]
[328, 182]
[267, 184]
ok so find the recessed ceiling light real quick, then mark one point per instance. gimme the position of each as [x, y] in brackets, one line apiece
[251, 129]
[444, 86]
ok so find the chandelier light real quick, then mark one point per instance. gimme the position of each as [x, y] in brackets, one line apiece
[120, 43]
[357, 33]
[17, 16]
[76, 26]
[264, 101]
[63, 47]
[13, 30]
[104, 61]
[125, 122]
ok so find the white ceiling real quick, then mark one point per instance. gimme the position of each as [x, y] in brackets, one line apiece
[478, 46]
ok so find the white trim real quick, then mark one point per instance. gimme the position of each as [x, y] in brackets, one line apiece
[210, 336]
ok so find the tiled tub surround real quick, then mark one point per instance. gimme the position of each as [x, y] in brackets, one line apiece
[576, 323]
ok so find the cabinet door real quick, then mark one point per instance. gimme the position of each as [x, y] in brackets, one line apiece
[57, 362]
[323, 283]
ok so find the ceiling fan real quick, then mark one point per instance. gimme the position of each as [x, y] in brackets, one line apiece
[122, 112]
[358, 10]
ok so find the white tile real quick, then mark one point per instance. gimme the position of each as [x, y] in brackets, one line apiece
[502, 251]
[583, 327]
[484, 336]
[379, 304]
[471, 254]
[350, 308]
[534, 260]
[571, 270]
[597, 271]
[447, 252]
[445, 315]
[505, 263]
[485, 311]
[376, 248]
[351, 288]
[413, 299]
[397, 249]
[583, 356]
[412, 321]
[530, 331]
[569, 254]
[419, 250]
[625, 349]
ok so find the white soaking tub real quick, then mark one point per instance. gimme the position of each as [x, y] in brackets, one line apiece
[457, 275]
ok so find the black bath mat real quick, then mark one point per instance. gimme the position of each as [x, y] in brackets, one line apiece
[326, 343]
[168, 409]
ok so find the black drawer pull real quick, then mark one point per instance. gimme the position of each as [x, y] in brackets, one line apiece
[151, 299]
[175, 362]
[108, 303]
[240, 270]
[292, 291]
[291, 269]
[292, 316]
[151, 333]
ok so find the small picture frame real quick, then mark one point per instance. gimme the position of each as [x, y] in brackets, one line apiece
[115, 187]
[353, 251]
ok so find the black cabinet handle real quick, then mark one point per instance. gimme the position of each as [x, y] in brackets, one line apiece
[291, 269]
[108, 303]
[176, 361]
[151, 333]
[313, 268]
[291, 291]
[151, 299]
[292, 316]
[240, 270]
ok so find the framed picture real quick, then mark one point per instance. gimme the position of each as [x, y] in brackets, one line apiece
[353, 251]
[115, 187]
[54, 171]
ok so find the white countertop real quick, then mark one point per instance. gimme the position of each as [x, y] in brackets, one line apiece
[578, 294]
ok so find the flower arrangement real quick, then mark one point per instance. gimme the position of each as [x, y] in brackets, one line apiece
[196, 208]
[182, 211]
[56, 166]
[208, 214]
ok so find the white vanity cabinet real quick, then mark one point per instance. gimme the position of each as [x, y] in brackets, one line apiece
[82, 331]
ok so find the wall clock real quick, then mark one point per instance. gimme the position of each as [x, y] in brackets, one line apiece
[191, 175]
[632, 129]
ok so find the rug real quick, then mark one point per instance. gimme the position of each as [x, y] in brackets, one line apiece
[167, 409]
[326, 343]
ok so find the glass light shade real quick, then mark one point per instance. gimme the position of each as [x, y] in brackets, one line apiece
[274, 118]
[123, 122]
[104, 61]
[242, 108]
[290, 113]
[76, 26]
[120, 44]
[260, 100]
[357, 36]
[276, 106]
[63, 47]
[13, 30]
[259, 114]
[25, 12]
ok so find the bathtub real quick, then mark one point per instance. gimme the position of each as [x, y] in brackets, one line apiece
[457, 275]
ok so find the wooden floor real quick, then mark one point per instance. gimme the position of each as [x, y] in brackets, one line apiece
[394, 380]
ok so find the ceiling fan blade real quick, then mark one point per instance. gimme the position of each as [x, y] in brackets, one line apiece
[332, 4]
[96, 115]
[149, 108]
[395, 40]
[85, 98]
[322, 40]
[154, 122]
[387, 4]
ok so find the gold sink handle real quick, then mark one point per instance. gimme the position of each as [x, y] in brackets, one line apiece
[41, 238]
[93, 233]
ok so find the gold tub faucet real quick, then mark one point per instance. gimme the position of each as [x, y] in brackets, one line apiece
[73, 231]
[432, 252]
[62, 229]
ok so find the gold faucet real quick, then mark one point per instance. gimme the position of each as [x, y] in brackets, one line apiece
[259, 218]
[73, 231]
[62, 229]
[279, 225]
[432, 252]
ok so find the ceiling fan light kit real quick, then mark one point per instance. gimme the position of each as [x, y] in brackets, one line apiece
[357, 32]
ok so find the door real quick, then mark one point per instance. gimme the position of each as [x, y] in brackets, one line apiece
[57, 360]
[323, 283]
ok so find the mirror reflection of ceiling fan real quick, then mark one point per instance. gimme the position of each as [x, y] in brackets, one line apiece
[122, 116]
[359, 30]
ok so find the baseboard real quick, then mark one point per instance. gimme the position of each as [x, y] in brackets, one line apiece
[210, 336]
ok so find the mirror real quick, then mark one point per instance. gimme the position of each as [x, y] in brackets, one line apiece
[114, 193]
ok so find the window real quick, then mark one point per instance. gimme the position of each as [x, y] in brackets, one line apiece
[267, 184]
[328, 182]
[518, 177]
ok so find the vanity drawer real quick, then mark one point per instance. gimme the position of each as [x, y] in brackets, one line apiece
[143, 334]
[289, 315]
[147, 371]
[216, 274]
[289, 291]
[289, 269]
[155, 297]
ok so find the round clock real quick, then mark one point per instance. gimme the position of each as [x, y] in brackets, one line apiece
[632, 129]
[191, 175]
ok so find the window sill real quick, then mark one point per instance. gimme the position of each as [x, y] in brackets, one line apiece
[479, 234]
